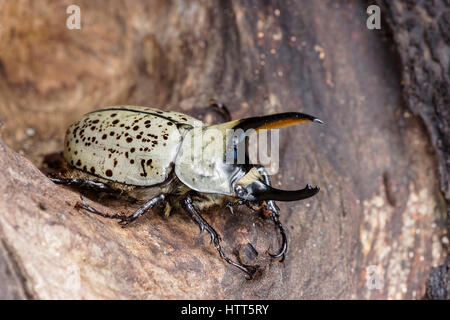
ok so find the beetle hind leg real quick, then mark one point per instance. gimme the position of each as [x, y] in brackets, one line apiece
[85, 206]
[124, 219]
[215, 238]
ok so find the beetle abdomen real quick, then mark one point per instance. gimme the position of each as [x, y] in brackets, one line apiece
[128, 144]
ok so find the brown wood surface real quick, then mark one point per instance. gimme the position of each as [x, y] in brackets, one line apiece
[421, 30]
[379, 205]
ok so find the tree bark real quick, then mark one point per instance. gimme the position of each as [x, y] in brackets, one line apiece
[375, 229]
[421, 31]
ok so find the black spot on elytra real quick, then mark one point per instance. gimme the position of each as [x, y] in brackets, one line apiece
[144, 174]
[126, 154]
[115, 121]
[115, 163]
[108, 173]
[131, 161]
[104, 136]
[129, 139]
[95, 121]
[169, 123]
[112, 133]
[113, 115]
[92, 170]
[132, 150]
[79, 163]
[136, 128]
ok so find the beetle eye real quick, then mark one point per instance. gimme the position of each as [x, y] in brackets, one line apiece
[241, 191]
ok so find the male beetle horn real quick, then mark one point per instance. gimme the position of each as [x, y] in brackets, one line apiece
[275, 121]
[261, 191]
[285, 195]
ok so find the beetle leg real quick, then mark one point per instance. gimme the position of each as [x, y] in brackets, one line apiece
[189, 207]
[142, 209]
[85, 206]
[273, 208]
[220, 108]
[83, 183]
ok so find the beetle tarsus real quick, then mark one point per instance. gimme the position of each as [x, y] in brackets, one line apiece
[125, 221]
[275, 218]
[188, 206]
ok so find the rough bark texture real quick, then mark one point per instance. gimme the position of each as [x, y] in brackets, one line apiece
[421, 32]
[374, 230]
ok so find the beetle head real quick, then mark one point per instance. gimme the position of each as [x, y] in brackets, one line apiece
[205, 165]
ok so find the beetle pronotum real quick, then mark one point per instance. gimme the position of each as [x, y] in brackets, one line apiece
[145, 152]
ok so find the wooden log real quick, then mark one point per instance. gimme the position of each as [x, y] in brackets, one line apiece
[373, 231]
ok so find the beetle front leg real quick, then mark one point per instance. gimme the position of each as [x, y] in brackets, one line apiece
[275, 211]
[188, 206]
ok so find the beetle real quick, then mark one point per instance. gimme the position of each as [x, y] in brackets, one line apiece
[146, 152]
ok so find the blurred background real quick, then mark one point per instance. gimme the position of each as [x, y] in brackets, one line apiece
[378, 229]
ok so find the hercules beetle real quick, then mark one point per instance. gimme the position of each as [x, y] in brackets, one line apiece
[144, 151]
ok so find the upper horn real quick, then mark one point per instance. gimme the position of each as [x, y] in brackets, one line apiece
[275, 121]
